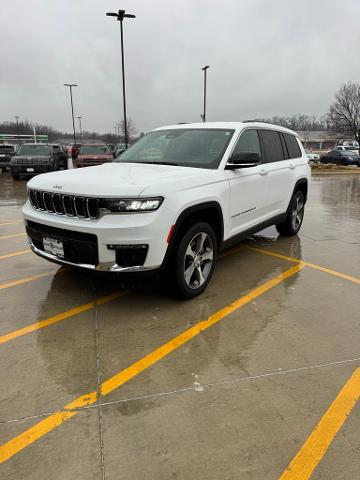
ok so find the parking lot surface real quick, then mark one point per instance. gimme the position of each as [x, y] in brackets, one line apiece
[258, 378]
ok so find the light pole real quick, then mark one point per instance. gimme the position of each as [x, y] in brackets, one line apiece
[17, 128]
[70, 85]
[80, 131]
[120, 15]
[203, 116]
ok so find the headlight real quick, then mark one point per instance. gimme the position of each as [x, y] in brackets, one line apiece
[131, 204]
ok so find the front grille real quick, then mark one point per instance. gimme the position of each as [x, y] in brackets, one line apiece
[32, 161]
[61, 204]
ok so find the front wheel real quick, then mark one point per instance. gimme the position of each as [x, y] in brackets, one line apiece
[295, 216]
[194, 260]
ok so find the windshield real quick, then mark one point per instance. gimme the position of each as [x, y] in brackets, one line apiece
[36, 149]
[94, 150]
[6, 149]
[198, 148]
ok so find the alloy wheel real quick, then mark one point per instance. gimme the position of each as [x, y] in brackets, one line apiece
[199, 257]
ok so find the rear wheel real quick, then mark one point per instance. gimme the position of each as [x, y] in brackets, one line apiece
[194, 261]
[295, 216]
[15, 176]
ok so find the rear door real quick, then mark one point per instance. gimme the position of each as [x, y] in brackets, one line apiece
[248, 186]
[280, 166]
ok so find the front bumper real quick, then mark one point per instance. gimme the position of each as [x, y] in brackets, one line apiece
[99, 238]
[102, 267]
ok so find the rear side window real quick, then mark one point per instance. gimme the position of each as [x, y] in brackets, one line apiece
[292, 146]
[273, 150]
[248, 143]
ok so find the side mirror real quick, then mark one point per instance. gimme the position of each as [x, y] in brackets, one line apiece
[243, 160]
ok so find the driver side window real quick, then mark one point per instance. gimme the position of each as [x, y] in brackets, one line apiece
[248, 143]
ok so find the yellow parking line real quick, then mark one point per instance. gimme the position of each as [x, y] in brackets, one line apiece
[10, 223]
[29, 436]
[308, 264]
[315, 447]
[9, 255]
[59, 317]
[12, 236]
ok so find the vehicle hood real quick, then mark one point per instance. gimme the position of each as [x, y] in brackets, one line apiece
[121, 179]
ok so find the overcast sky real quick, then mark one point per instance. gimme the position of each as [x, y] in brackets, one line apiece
[266, 57]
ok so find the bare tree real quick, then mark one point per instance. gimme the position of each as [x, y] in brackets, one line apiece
[131, 128]
[344, 112]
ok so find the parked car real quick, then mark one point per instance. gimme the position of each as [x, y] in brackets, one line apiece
[7, 151]
[32, 158]
[60, 152]
[93, 154]
[346, 148]
[205, 187]
[314, 157]
[341, 157]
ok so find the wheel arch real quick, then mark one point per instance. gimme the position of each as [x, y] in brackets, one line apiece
[209, 212]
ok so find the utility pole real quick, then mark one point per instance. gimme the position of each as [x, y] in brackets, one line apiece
[17, 128]
[70, 85]
[203, 116]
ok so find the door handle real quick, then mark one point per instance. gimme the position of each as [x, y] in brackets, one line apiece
[263, 171]
[292, 166]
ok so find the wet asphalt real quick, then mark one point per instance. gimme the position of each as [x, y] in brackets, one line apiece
[236, 401]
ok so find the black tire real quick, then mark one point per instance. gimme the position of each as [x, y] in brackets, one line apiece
[15, 176]
[295, 216]
[200, 239]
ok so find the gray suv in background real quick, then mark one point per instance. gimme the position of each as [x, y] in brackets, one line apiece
[33, 158]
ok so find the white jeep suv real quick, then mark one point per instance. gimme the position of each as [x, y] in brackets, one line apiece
[171, 201]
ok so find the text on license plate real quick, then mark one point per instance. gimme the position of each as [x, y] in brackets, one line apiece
[29, 169]
[53, 246]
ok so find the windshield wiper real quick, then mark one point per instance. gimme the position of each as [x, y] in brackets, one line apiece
[156, 163]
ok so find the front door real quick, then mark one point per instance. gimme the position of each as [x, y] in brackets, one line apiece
[248, 187]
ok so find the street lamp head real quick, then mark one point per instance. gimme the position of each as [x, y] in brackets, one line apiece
[120, 15]
[206, 67]
[70, 85]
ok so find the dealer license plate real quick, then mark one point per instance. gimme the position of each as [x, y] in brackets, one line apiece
[53, 246]
[29, 169]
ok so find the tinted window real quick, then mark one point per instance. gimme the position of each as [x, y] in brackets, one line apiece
[248, 143]
[292, 146]
[273, 151]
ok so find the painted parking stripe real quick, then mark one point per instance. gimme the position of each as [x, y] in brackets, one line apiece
[315, 447]
[29, 436]
[59, 317]
[14, 254]
[31, 278]
[2, 237]
[308, 264]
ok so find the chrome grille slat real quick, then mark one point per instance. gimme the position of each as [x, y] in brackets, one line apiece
[65, 204]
